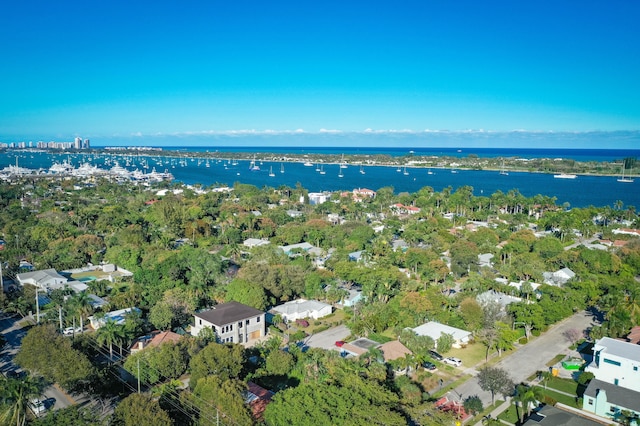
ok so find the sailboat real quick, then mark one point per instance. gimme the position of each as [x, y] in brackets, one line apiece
[253, 166]
[340, 175]
[503, 171]
[406, 173]
[271, 174]
[361, 169]
[322, 172]
[281, 167]
[343, 165]
[624, 179]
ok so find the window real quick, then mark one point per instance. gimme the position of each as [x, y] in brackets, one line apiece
[615, 382]
[612, 362]
[247, 322]
[590, 401]
[199, 321]
[635, 368]
[258, 319]
[240, 324]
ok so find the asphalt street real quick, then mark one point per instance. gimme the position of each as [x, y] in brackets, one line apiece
[327, 339]
[529, 358]
[53, 396]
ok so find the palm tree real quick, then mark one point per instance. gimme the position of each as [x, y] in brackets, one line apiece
[527, 396]
[81, 305]
[111, 332]
[16, 395]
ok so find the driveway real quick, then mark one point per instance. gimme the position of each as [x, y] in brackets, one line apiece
[529, 358]
[327, 339]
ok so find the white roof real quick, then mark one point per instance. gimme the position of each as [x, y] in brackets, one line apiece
[435, 329]
[300, 306]
[618, 348]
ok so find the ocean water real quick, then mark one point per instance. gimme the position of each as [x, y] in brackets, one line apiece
[580, 192]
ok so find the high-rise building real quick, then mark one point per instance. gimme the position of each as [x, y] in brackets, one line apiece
[78, 143]
[87, 144]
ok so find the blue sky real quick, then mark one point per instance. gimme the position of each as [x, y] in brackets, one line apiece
[150, 70]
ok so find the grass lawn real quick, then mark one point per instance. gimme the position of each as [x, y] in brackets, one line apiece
[556, 359]
[486, 411]
[472, 355]
[510, 415]
[564, 385]
[567, 400]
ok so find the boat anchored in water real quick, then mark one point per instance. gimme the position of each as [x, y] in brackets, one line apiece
[565, 176]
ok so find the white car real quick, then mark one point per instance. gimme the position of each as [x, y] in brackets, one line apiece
[69, 331]
[37, 406]
[453, 361]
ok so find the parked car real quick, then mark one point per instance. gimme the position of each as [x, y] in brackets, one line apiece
[453, 361]
[435, 355]
[70, 331]
[37, 406]
[429, 366]
[339, 343]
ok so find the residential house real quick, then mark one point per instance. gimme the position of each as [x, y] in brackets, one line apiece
[294, 213]
[45, 280]
[255, 242]
[399, 244]
[559, 277]
[318, 197]
[492, 296]
[302, 308]
[352, 298]
[118, 317]
[484, 260]
[359, 346]
[257, 398]
[394, 350]
[435, 329]
[550, 415]
[616, 386]
[232, 322]
[154, 339]
[295, 249]
[627, 231]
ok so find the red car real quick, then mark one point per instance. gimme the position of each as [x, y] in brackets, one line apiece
[339, 343]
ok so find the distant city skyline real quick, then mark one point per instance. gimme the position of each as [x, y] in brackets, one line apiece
[415, 73]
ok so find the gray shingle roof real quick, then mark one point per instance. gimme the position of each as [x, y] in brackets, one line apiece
[622, 397]
[229, 312]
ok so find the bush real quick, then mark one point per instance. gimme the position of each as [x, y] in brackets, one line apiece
[535, 333]
[549, 401]
[585, 377]
[523, 341]
[302, 323]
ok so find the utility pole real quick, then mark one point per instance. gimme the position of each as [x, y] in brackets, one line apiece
[138, 374]
[37, 307]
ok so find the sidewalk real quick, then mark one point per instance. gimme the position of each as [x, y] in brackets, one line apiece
[496, 412]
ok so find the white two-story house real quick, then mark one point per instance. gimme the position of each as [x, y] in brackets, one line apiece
[616, 386]
[232, 322]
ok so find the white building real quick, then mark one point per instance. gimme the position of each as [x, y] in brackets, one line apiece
[435, 329]
[46, 279]
[232, 322]
[301, 308]
[616, 386]
[119, 317]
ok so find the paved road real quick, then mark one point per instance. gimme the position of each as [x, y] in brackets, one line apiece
[53, 396]
[529, 358]
[327, 339]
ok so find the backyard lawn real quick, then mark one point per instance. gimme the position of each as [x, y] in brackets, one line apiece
[564, 385]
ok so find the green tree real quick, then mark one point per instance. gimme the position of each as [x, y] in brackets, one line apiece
[354, 402]
[44, 352]
[495, 380]
[225, 361]
[445, 342]
[140, 410]
[527, 397]
[110, 333]
[162, 316]
[218, 398]
[15, 396]
[70, 416]
[473, 404]
[246, 292]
